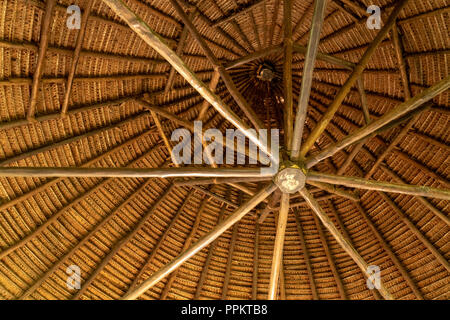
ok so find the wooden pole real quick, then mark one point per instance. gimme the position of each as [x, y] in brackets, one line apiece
[287, 73]
[332, 189]
[358, 70]
[255, 263]
[43, 44]
[243, 104]
[200, 181]
[386, 247]
[253, 56]
[128, 172]
[215, 196]
[330, 259]
[179, 52]
[203, 242]
[270, 206]
[355, 182]
[384, 120]
[367, 119]
[186, 245]
[161, 241]
[278, 247]
[444, 261]
[306, 255]
[237, 13]
[209, 257]
[62, 260]
[345, 244]
[121, 242]
[307, 76]
[76, 56]
[226, 281]
[157, 43]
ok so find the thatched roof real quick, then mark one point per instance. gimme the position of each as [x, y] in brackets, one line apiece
[121, 231]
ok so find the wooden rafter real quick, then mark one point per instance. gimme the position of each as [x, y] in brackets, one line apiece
[317, 131]
[331, 260]
[306, 256]
[347, 246]
[238, 12]
[186, 245]
[203, 242]
[76, 57]
[390, 252]
[384, 120]
[209, 257]
[180, 48]
[155, 41]
[121, 243]
[160, 242]
[240, 100]
[45, 27]
[278, 247]
[307, 75]
[288, 114]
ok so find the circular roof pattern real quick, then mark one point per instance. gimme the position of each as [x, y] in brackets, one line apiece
[87, 87]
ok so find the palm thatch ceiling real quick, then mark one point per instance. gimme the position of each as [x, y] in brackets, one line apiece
[86, 115]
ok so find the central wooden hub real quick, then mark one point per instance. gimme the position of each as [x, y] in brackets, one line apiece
[290, 179]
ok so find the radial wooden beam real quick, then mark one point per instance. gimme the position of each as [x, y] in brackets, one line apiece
[161, 241]
[65, 142]
[128, 172]
[278, 247]
[76, 56]
[203, 242]
[157, 43]
[287, 74]
[200, 181]
[345, 244]
[226, 281]
[83, 241]
[344, 232]
[215, 196]
[387, 248]
[180, 48]
[407, 92]
[270, 206]
[43, 44]
[307, 258]
[240, 100]
[337, 191]
[253, 56]
[56, 215]
[212, 86]
[395, 113]
[237, 13]
[422, 200]
[340, 96]
[330, 258]
[367, 118]
[255, 275]
[355, 182]
[121, 242]
[274, 22]
[209, 257]
[186, 245]
[445, 263]
[307, 75]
